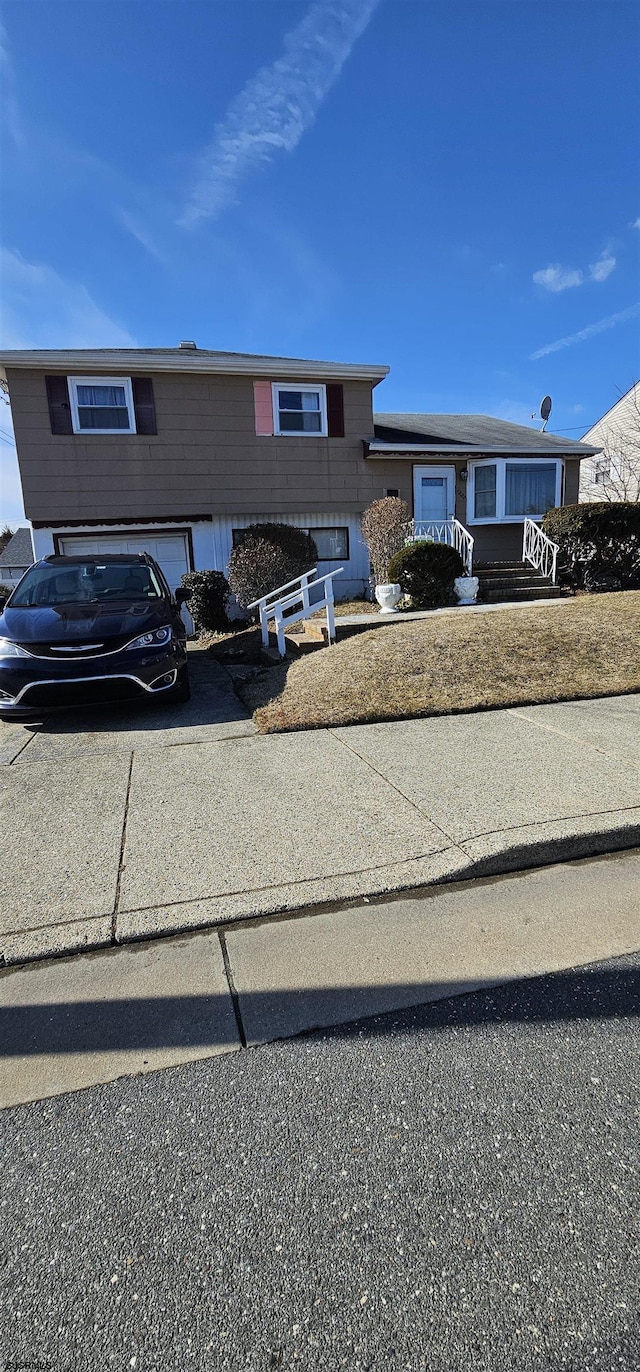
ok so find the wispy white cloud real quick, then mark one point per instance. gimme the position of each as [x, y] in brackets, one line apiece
[278, 104]
[590, 331]
[636, 223]
[138, 230]
[45, 310]
[556, 278]
[600, 270]
[9, 110]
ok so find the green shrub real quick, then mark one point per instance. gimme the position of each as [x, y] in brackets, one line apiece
[5, 592]
[426, 572]
[385, 525]
[269, 556]
[599, 543]
[209, 599]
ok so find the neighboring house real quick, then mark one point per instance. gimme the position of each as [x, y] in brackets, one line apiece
[15, 557]
[614, 472]
[176, 450]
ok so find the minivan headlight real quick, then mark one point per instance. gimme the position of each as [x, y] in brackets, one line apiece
[154, 639]
[9, 649]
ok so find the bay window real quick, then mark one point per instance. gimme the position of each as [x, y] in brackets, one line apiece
[530, 488]
[485, 491]
[512, 489]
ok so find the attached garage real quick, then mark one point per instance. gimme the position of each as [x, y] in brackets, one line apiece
[171, 550]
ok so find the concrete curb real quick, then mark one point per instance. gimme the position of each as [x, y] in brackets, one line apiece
[530, 847]
[85, 1020]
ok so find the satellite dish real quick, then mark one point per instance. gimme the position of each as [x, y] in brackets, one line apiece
[545, 410]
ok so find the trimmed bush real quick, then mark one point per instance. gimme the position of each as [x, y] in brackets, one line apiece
[426, 572]
[599, 543]
[269, 556]
[209, 599]
[5, 592]
[385, 525]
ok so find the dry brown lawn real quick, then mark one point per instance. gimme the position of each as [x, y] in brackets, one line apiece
[587, 646]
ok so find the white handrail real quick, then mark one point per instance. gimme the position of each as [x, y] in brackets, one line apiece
[273, 605]
[449, 531]
[539, 550]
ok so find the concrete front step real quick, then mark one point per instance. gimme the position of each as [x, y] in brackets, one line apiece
[524, 579]
[516, 592]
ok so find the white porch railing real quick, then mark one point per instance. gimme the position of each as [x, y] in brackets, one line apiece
[274, 605]
[539, 550]
[449, 531]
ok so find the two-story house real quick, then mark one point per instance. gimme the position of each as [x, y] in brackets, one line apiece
[614, 472]
[175, 450]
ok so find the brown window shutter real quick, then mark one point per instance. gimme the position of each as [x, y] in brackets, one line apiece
[59, 407]
[335, 410]
[144, 405]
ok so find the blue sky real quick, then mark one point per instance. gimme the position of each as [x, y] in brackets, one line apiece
[446, 186]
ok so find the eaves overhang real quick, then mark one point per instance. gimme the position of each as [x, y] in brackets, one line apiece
[194, 362]
[386, 450]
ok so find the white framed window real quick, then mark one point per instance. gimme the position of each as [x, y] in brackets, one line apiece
[102, 404]
[601, 471]
[299, 409]
[509, 490]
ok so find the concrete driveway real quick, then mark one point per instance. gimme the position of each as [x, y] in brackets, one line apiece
[120, 825]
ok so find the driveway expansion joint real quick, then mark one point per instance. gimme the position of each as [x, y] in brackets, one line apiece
[519, 713]
[235, 999]
[451, 841]
[123, 842]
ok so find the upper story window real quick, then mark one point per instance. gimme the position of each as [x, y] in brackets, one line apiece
[299, 409]
[601, 471]
[102, 404]
[505, 490]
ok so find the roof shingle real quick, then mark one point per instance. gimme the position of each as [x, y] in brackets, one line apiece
[472, 432]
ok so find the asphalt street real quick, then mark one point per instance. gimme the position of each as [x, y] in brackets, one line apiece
[453, 1187]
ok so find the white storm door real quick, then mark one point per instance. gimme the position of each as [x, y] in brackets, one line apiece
[434, 494]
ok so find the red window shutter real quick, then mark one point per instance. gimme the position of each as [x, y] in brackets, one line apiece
[335, 410]
[59, 406]
[263, 407]
[144, 405]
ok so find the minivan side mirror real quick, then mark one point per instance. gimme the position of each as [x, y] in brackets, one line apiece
[182, 593]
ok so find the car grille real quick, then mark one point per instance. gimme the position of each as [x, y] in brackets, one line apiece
[71, 653]
[89, 692]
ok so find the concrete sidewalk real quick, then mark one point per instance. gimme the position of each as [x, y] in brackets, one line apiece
[121, 826]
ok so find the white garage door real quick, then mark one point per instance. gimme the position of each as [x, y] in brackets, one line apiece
[169, 550]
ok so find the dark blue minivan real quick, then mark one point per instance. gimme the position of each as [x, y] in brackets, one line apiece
[91, 631]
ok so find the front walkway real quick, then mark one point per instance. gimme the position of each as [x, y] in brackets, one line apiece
[121, 826]
[359, 621]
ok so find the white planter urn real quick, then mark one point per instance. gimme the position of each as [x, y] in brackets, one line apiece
[387, 596]
[466, 589]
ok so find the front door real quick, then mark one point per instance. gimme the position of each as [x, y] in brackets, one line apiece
[434, 494]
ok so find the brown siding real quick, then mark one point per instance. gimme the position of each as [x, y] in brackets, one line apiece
[571, 481]
[205, 456]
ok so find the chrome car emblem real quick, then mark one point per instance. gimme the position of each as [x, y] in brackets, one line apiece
[77, 648]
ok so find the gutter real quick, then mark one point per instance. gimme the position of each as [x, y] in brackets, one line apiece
[382, 449]
[134, 361]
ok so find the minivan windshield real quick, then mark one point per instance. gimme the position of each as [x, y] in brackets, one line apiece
[87, 582]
